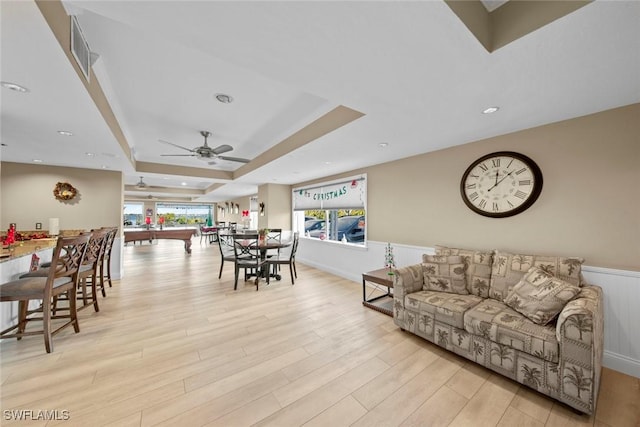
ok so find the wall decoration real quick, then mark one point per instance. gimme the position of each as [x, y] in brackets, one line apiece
[38, 226]
[261, 205]
[501, 184]
[64, 191]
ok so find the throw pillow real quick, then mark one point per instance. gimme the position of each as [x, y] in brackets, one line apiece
[444, 274]
[478, 268]
[508, 269]
[540, 296]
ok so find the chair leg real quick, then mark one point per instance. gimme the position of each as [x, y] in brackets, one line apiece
[94, 293]
[237, 273]
[73, 309]
[109, 272]
[104, 294]
[22, 317]
[46, 325]
[294, 269]
[291, 272]
[221, 265]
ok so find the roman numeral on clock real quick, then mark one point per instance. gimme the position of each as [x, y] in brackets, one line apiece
[520, 194]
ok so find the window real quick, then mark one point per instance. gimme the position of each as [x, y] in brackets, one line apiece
[180, 215]
[332, 211]
[133, 214]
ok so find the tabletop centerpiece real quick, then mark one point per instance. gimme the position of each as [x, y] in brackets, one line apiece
[389, 261]
[262, 235]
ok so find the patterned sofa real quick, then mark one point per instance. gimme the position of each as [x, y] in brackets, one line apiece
[530, 318]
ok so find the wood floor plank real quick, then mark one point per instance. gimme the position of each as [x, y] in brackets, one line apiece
[174, 345]
[343, 413]
[487, 406]
[437, 411]
[405, 400]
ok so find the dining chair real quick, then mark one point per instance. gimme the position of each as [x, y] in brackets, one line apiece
[105, 266]
[287, 257]
[225, 243]
[247, 256]
[90, 268]
[62, 279]
[274, 236]
[208, 232]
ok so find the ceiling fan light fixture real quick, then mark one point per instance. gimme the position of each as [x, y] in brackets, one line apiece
[224, 98]
[141, 184]
[14, 86]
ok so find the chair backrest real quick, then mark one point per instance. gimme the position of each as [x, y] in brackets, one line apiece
[97, 246]
[111, 237]
[294, 245]
[68, 255]
[246, 247]
[225, 244]
[274, 235]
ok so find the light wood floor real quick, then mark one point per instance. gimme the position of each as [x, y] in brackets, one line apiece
[174, 345]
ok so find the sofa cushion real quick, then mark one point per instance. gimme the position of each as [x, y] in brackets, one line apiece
[478, 268]
[444, 274]
[503, 325]
[540, 296]
[508, 269]
[445, 307]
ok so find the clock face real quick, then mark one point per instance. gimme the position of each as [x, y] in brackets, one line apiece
[501, 184]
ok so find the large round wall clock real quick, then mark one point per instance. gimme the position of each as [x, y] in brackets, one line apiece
[501, 184]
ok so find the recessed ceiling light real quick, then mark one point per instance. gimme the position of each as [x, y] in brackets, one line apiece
[105, 167]
[224, 98]
[89, 154]
[183, 183]
[37, 161]
[15, 87]
[65, 133]
[490, 110]
[327, 163]
[383, 145]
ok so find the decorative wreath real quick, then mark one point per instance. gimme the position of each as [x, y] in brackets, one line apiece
[64, 191]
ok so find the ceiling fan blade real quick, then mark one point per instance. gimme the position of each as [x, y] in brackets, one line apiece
[175, 145]
[234, 159]
[224, 148]
[178, 155]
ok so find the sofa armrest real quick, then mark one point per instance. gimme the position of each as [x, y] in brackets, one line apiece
[582, 318]
[580, 333]
[407, 280]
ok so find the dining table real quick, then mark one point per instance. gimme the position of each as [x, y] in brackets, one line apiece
[265, 246]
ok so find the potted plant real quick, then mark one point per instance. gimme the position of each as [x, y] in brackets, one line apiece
[262, 235]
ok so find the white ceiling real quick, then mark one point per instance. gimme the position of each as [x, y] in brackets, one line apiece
[415, 71]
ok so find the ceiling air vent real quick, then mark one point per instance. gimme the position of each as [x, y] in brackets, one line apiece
[80, 48]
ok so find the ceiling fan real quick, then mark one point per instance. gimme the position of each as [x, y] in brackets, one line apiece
[141, 184]
[205, 152]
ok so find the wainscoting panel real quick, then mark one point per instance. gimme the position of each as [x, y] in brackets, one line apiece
[621, 289]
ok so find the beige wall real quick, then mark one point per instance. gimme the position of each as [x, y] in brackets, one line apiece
[232, 217]
[27, 197]
[277, 201]
[589, 206]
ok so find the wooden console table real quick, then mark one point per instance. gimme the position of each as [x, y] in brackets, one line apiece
[382, 303]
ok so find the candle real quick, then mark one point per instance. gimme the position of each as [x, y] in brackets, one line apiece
[54, 226]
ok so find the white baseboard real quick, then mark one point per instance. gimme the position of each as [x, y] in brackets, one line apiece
[621, 363]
